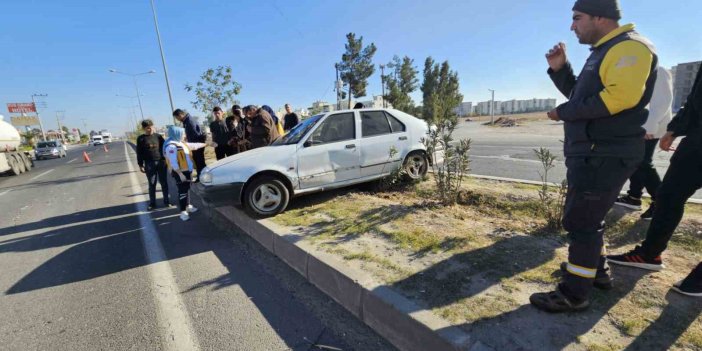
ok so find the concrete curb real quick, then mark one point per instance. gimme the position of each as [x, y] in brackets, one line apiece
[402, 322]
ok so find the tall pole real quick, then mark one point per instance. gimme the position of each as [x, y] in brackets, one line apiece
[41, 126]
[163, 58]
[136, 86]
[60, 130]
[382, 82]
[492, 107]
[338, 87]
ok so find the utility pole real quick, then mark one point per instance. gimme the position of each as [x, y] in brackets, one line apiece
[58, 121]
[338, 86]
[382, 82]
[41, 126]
[163, 60]
[492, 107]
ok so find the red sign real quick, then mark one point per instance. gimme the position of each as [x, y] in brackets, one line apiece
[21, 107]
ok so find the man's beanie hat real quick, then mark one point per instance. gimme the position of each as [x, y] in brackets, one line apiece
[599, 8]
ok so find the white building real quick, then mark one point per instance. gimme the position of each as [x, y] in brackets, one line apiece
[464, 109]
[683, 79]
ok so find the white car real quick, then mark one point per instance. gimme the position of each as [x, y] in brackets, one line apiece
[323, 152]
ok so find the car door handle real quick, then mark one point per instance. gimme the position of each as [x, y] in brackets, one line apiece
[403, 138]
[351, 146]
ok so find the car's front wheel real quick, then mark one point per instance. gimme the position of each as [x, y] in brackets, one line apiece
[416, 165]
[266, 196]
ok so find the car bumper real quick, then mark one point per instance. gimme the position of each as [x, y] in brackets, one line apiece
[225, 194]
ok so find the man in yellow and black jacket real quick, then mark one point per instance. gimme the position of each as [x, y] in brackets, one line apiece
[604, 139]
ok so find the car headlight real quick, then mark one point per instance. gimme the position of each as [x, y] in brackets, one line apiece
[206, 178]
[54, 151]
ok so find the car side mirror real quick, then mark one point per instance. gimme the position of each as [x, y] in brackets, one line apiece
[307, 143]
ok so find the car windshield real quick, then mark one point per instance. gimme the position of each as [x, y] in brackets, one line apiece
[296, 134]
[46, 144]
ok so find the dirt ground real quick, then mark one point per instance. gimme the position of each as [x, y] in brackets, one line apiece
[476, 263]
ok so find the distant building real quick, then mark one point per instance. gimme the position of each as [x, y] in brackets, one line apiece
[513, 106]
[683, 78]
[464, 109]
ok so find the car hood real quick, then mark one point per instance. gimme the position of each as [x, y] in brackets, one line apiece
[268, 154]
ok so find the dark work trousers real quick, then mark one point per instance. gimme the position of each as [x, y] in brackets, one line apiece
[681, 181]
[646, 175]
[183, 188]
[593, 186]
[199, 160]
[156, 171]
[222, 151]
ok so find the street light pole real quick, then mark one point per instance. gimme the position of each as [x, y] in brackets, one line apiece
[163, 58]
[41, 126]
[60, 130]
[382, 82]
[136, 86]
[492, 107]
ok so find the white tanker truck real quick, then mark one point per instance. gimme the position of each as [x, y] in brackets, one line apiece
[12, 159]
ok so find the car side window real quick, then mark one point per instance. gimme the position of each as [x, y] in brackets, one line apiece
[397, 126]
[374, 123]
[335, 128]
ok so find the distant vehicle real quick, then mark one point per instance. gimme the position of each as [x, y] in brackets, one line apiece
[49, 149]
[97, 140]
[12, 159]
[323, 152]
[106, 137]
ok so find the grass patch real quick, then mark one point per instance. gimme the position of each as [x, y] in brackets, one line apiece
[478, 308]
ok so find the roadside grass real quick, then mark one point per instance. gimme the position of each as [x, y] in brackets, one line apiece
[477, 262]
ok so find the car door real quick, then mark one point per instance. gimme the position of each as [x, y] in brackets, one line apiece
[330, 154]
[380, 133]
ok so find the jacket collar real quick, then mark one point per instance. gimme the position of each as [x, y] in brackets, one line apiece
[613, 34]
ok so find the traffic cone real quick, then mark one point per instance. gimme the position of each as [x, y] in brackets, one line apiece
[104, 146]
[86, 159]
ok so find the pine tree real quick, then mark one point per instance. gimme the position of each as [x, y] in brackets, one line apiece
[400, 83]
[356, 65]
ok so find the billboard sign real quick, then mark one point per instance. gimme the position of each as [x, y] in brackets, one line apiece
[25, 121]
[21, 107]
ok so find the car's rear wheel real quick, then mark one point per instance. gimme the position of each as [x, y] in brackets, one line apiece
[416, 165]
[266, 196]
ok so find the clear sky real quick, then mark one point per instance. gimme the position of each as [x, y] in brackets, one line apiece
[284, 51]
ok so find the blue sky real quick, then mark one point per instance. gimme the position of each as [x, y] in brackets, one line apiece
[284, 51]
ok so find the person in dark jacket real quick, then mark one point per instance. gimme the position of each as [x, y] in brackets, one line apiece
[291, 119]
[149, 150]
[193, 134]
[683, 179]
[604, 139]
[238, 131]
[220, 134]
[263, 130]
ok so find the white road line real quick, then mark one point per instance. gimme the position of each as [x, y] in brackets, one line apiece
[41, 175]
[5, 192]
[72, 160]
[174, 321]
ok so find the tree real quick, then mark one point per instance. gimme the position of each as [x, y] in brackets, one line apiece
[400, 82]
[29, 137]
[356, 65]
[215, 88]
[440, 91]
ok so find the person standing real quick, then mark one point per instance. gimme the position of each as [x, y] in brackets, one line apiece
[291, 119]
[194, 134]
[180, 163]
[681, 181]
[276, 121]
[604, 139]
[238, 131]
[149, 150]
[263, 130]
[220, 134]
[660, 112]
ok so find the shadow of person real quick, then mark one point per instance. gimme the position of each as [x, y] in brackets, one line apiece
[672, 323]
[527, 328]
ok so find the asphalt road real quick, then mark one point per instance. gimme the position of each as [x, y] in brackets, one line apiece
[84, 267]
[509, 152]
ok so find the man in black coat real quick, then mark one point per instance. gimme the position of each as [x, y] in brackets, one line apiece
[149, 150]
[194, 134]
[291, 119]
[220, 134]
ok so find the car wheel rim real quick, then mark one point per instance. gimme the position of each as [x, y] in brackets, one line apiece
[266, 198]
[415, 166]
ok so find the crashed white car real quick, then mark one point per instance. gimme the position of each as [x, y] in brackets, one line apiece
[323, 152]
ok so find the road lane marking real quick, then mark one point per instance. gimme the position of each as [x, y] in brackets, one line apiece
[75, 159]
[176, 327]
[5, 192]
[41, 175]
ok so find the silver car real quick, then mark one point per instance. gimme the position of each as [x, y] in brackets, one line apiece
[49, 149]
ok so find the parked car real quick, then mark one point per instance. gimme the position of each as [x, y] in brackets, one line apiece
[49, 149]
[323, 152]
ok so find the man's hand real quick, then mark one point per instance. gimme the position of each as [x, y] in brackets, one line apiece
[141, 168]
[666, 143]
[553, 115]
[649, 136]
[556, 57]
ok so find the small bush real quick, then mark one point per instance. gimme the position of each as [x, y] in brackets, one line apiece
[551, 202]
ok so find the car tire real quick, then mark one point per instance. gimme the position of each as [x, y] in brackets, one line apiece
[416, 166]
[20, 163]
[266, 196]
[27, 161]
[14, 165]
